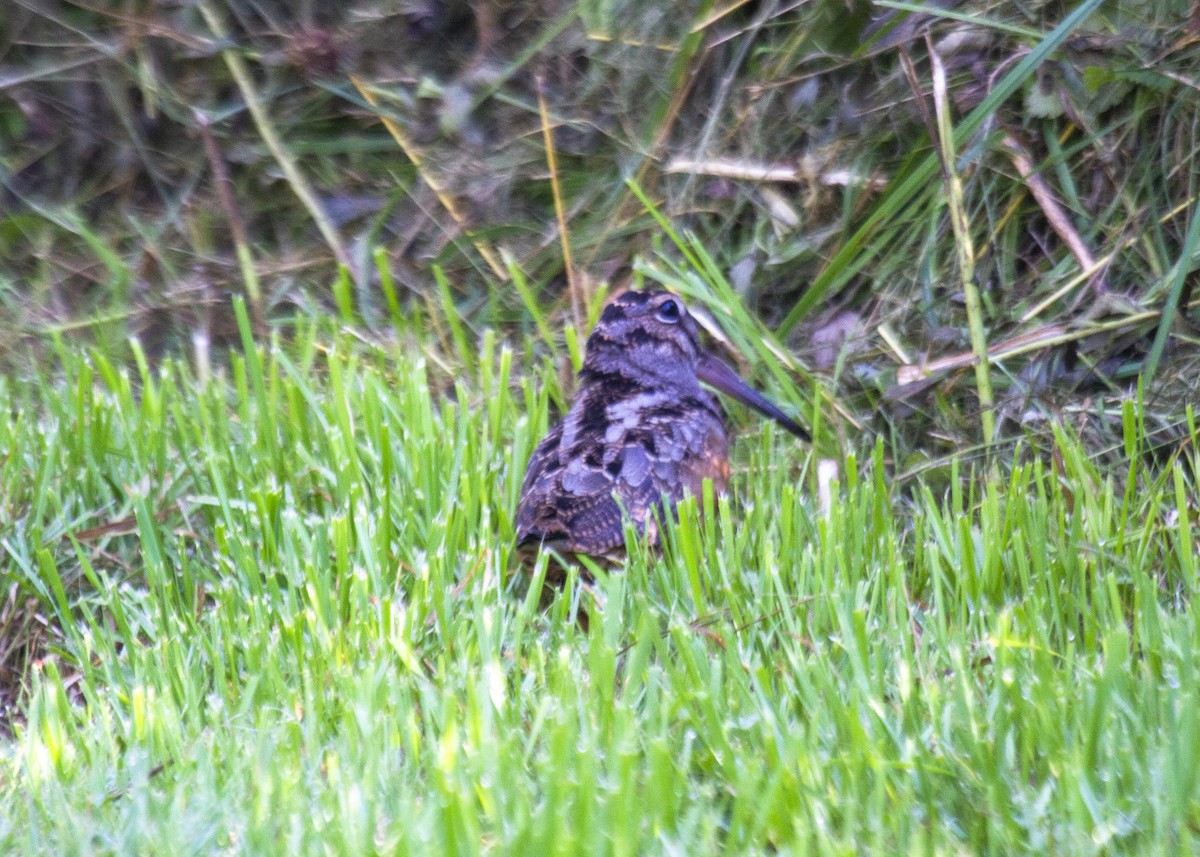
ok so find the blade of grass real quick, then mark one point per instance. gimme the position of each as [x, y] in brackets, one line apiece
[963, 247]
[1180, 271]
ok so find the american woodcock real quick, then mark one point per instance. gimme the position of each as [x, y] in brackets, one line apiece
[642, 431]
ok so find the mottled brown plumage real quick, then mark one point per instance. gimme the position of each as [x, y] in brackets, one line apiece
[641, 429]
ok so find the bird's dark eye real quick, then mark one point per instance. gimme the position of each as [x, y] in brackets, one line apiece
[669, 312]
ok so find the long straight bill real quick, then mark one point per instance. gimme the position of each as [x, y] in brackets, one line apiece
[716, 373]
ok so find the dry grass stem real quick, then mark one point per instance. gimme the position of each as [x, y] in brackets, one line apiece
[806, 170]
[1055, 214]
[444, 197]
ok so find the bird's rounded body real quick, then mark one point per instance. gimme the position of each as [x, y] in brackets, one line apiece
[642, 431]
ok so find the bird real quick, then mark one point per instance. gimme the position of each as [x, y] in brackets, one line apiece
[642, 432]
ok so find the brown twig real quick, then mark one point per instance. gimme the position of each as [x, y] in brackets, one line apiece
[1056, 215]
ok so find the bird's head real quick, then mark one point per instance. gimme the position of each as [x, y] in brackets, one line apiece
[651, 336]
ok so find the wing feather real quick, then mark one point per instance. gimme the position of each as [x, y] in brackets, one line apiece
[575, 497]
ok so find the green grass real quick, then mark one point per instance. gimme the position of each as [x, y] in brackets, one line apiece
[264, 603]
[304, 638]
